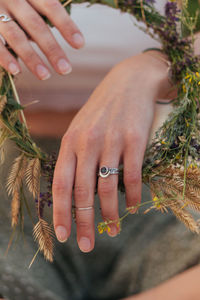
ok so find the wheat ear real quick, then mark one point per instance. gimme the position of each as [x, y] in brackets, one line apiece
[15, 178]
[33, 174]
[43, 234]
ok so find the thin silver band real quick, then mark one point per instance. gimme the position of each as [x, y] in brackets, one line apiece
[4, 18]
[84, 208]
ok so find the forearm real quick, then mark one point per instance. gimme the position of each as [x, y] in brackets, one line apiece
[182, 287]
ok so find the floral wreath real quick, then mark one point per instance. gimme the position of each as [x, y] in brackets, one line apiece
[171, 163]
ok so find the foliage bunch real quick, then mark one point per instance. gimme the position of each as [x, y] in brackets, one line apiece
[171, 164]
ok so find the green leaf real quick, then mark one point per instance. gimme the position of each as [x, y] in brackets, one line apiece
[111, 3]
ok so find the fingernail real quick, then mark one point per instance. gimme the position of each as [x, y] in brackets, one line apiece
[78, 39]
[61, 234]
[113, 230]
[42, 72]
[13, 69]
[64, 67]
[84, 244]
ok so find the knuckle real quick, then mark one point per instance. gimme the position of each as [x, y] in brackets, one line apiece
[59, 215]
[67, 138]
[12, 34]
[132, 137]
[51, 4]
[60, 187]
[29, 57]
[67, 24]
[112, 137]
[81, 192]
[17, 3]
[84, 225]
[132, 177]
[105, 188]
[37, 24]
[53, 49]
[91, 136]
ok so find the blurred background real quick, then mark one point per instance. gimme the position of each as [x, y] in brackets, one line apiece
[110, 37]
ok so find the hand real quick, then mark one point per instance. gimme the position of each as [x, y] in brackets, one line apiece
[31, 24]
[112, 128]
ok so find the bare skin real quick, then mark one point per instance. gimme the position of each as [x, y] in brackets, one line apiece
[182, 287]
[26, 13]
[112, 128]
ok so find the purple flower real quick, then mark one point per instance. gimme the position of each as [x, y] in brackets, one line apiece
[171, 12]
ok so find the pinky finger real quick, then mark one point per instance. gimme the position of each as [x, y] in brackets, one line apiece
[7, 61]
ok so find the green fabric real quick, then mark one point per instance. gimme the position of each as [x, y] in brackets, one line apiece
[150, 249]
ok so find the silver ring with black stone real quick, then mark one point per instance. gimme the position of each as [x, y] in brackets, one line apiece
[5, 18]
[105, 171]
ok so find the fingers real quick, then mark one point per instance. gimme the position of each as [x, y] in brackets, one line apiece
[132, 160]
[62, 192]
[32, 25]
[38, 30]
[108, 188]
[55, 12]
[18, 41]
[84, 198]
[7, 61]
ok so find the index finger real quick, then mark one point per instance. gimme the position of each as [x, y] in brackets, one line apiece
[59, 17]
[63, 182]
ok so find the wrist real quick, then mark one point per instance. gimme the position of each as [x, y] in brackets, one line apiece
[161, 66]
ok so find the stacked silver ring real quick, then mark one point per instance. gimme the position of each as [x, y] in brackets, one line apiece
[105, 171]
[4, 18]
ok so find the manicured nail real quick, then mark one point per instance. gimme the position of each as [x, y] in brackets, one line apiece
[78, 40]
[42, 72]
[84, 244]
[13, 69]
[61, 234]
[113, 230]
[64, 67]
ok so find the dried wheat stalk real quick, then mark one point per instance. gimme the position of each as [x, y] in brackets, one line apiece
[16, 175]
[184, 216]
[1, 75]
[171, 190]
[33, 174]
[2, 155]
[3, 101]
[15, 208]
[14, 184]
[43, 234]
[192, 185]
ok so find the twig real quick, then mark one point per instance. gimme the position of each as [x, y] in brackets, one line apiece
[66, 3]
[17, 98]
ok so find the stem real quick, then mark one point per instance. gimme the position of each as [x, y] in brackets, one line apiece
[17, 98]
[66, 3]
[34, 257]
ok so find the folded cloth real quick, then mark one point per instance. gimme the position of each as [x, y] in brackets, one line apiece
[150, 249]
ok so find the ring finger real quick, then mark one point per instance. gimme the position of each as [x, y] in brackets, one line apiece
[108, 192]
